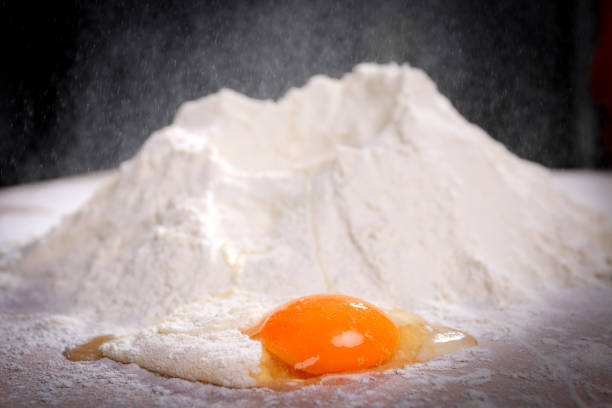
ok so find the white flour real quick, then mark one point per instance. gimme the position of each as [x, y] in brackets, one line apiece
[372, 186]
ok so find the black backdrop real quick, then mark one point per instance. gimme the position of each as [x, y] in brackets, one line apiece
[83, 84]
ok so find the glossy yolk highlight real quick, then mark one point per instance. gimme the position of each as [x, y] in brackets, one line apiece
[323, 334]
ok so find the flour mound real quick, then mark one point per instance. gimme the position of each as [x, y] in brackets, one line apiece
[372, 185]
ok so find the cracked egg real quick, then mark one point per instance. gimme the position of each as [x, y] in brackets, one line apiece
[301, 342]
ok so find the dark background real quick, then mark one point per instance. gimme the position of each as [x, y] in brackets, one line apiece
[83, 84]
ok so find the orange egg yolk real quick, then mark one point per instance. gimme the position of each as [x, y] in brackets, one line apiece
[308, 338]
[323, 334]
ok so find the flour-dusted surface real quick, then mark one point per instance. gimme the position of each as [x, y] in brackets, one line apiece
[373, 186]
[559, 356]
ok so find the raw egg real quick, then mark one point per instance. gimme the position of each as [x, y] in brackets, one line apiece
[89, 351]
[323, 334]
[313, 336]
[325, 337]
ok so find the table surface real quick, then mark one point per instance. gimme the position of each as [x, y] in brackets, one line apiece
[563, 357]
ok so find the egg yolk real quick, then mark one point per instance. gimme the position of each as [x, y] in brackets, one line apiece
[314, 337]
[323, 334]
